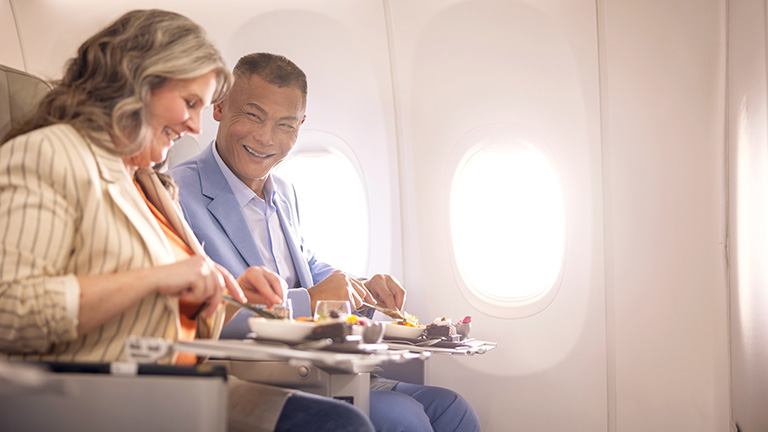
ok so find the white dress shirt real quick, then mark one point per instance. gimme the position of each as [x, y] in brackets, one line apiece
[263, 222]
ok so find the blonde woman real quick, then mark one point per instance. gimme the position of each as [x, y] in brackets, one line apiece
[94, 248]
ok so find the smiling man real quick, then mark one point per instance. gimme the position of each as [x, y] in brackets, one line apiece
[247, 216]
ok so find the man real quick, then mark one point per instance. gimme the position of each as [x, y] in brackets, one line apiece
[247, 216]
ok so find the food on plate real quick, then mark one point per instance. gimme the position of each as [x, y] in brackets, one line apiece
[409, 321]
[344, 328]
[403, 331]
[407, 324]
[338, 331]
[441, 328]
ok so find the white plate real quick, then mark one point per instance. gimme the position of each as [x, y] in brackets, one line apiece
[396, 331]
[280, 330]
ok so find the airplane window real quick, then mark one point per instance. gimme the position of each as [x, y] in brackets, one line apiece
[333, 210]
[507, 222]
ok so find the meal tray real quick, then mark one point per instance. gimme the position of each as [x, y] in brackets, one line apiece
[467, 347]
[327, 360]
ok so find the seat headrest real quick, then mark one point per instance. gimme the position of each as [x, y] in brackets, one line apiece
[20, 93]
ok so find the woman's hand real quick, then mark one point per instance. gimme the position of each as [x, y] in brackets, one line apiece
[199, 279]
[104, 296]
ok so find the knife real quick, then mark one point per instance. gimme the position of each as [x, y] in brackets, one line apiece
[255, 310]
[405, 316]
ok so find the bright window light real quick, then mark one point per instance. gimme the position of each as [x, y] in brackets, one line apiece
[507, 222]
[332, 206]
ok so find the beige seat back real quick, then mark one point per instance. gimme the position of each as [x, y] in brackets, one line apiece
[20, 93]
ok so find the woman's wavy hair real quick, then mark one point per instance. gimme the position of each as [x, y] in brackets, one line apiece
[108, 85]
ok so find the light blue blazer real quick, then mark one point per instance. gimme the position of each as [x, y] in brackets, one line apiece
[217, 220]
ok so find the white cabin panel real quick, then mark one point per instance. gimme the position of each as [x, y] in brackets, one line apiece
[10, 48]
[663, 87]
[748, 212]
[461, 66]
[627, 101]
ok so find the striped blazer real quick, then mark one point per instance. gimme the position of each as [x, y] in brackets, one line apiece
[68, 208]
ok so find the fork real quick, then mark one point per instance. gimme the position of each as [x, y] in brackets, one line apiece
[255, 310]
[405, 316]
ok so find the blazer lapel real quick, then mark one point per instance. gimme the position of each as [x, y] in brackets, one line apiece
[123, 192]
[299, 261]
[158, 195]
[225, 208]
[126, 197]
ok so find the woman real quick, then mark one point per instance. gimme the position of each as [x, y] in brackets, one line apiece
[93, 248]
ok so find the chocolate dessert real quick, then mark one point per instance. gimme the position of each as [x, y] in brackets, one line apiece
[441, 327]
[338, 331]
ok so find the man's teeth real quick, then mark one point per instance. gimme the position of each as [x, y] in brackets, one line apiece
[249, 150]
[173, 135]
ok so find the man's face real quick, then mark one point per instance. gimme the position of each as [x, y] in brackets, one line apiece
[258, 125]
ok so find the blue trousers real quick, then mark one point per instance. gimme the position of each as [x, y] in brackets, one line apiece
[305, 412]
[413, 408]
[406, 408]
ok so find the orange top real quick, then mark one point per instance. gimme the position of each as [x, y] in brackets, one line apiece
[186, 308]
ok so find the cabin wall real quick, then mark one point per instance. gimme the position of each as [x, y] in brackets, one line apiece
[662, 81]
[629, 95]
[10, 49]
[531, 67]
[748, 211]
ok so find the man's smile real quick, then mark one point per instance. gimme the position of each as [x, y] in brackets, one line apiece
[255, 153]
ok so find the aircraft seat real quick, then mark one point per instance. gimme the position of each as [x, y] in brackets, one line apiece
[164, 398]
[20, 92]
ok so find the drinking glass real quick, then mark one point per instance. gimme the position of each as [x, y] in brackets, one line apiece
[284, 310]
[324, 308]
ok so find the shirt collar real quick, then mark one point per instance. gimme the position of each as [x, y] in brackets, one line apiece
[243, 194]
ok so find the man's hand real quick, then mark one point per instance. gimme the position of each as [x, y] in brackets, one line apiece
[387, 291]
[339, 286]
[263, 286]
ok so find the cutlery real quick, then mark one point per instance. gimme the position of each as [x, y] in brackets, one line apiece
[386, 311]
[424, 343]
[255, 310]
[405, 316]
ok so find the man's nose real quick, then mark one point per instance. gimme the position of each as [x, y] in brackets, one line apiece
[264, 134]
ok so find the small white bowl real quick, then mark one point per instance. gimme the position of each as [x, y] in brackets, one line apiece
[372, 333]
[463, 329]
[397, 331]
[280, 330]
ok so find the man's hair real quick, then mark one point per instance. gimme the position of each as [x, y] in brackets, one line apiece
[274, 69]
[107, 86]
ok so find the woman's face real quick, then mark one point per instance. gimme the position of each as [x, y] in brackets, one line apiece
[174, 110]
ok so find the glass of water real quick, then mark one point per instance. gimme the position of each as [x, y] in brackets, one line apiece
[284, 310]
[332, 309]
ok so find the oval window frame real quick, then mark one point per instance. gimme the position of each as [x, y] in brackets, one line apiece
[313, 140]
[465, 148]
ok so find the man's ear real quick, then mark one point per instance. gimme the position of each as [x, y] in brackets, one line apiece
[217, 111]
